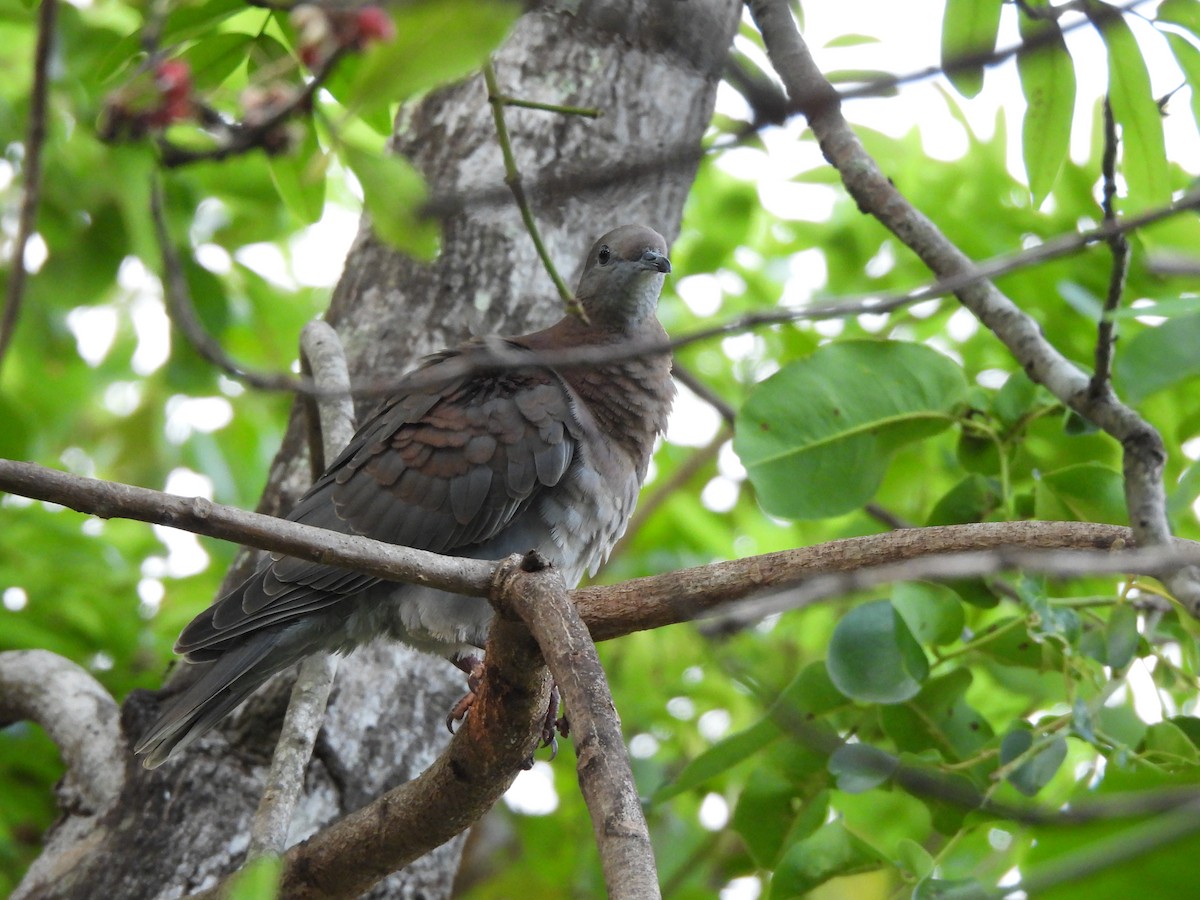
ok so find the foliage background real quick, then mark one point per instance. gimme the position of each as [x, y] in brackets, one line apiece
[1038, 689]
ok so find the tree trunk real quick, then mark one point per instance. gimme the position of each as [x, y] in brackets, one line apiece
[652, 67]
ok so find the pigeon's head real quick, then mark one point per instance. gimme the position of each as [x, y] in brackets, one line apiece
[623, 276]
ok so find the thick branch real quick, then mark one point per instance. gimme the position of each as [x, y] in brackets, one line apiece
[478, 766]
[537, 594]
[637, 605]
[78, 714]
[1144, 453]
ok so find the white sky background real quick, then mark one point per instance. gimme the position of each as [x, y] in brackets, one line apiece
[909, 40]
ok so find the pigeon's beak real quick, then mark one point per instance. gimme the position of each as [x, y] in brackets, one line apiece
[656, 260]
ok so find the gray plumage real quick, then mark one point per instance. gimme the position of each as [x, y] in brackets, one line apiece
[482, 465]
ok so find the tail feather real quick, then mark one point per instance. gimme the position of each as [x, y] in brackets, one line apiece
[225, 683]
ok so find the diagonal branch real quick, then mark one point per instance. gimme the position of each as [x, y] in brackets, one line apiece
[1144, 453]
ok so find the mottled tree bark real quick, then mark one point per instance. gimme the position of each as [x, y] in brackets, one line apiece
[652, 67]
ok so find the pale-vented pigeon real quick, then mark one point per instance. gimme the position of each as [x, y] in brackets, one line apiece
[495, 462]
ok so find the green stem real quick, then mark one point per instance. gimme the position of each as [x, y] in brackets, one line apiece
[587, 112]
[513, 179]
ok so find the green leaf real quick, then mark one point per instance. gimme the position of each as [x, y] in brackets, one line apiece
[393, 193]
[933, 612]
[1016, 399]
[971, 500]
[436, 41]
[1168, 309]
[1186, 490]
[214, 58]
[1088, 492]
[1121, 636]
[1120, 725]
[968, 29]
[816, 436]
[720, 757]
[1158, 358]
[1185, 13]
[1169, 745]
[1035, 772]
[808, 695]
[852, 40]
[1188, 58]
[913, 858]
[257, 880]
[1048, 82]
[764, 815]
[829, 852]
[873, 657]
[861, 767]
[1143, 147]
[1015, 646]
[299, 177]
[1148, 856]
[938, 719]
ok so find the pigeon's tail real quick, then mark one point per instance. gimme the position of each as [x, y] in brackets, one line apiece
[221, 685]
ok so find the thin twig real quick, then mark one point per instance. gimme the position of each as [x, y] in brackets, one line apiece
[692, 382]
[35, 142]
[322, 352]
[183, 314]
[1106, 328]
[495, 354]
[885, 516]
[242, 137]
[512, 177]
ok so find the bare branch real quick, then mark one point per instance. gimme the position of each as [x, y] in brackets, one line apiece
[183, 314]
[242, 137]
[638, 605]
[1144, 453]
[817, 572]
[110, 499]
[78, 714]
[322, 352]
[535, 593]
[35, 141]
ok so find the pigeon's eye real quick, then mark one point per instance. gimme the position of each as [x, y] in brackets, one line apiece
[604, 255]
